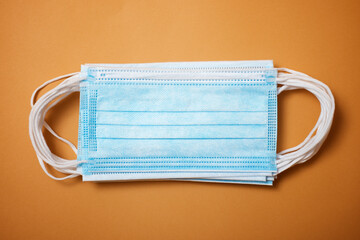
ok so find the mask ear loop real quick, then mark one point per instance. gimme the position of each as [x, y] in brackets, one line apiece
[291, 80]
[37, 122]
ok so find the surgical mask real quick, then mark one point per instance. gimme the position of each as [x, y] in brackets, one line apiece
[194, 121]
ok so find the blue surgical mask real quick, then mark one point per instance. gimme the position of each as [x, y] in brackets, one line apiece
[198, 121]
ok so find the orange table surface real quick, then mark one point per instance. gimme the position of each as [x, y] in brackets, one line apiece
[320, 199]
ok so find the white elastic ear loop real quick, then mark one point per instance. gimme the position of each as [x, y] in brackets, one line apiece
[37, 122]
[291, 80]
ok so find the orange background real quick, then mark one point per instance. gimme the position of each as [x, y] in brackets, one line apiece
[43, 39]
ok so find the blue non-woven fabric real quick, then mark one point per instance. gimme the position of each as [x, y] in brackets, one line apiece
[196, 120]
